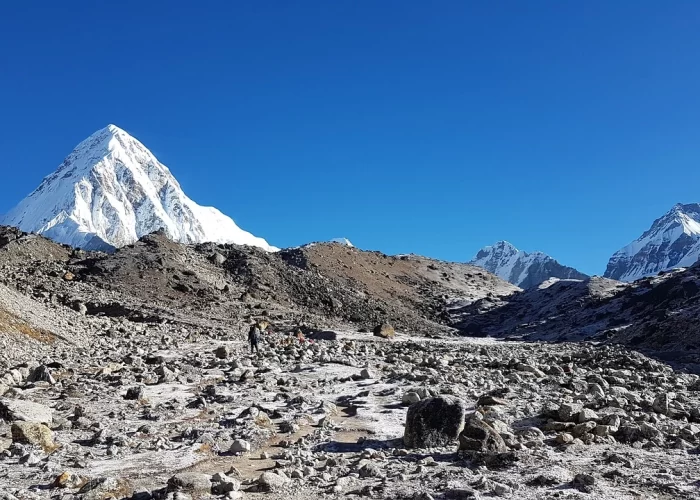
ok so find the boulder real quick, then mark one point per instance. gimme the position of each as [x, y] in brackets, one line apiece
[322, 335]
[13, 410]
[410, 398]
[384, 330]
[41, 374]
[68, 480]
[33, 433]
[269, 481]
[191, 482]
[222, 352]
[217, 259]
[134, 393]
[105, 487]
[479, 436]
[569, 411]
[661, 403]
[223, 484]
[434, 422]
[240, 446]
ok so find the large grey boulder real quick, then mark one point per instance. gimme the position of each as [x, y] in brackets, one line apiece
[269, 481]
[434, 422]
[13, 410]
[191, 482]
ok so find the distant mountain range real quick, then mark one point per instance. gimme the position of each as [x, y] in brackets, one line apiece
[520, 268]
[111, 190]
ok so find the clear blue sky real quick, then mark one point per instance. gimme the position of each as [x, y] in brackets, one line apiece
[406, 126]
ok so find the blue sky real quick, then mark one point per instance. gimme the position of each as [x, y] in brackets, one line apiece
[427, 127]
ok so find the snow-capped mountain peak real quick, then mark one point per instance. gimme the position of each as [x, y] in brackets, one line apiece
[523, 269]
[110, 191]
[673, 240]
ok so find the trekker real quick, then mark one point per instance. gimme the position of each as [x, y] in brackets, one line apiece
[254, 338]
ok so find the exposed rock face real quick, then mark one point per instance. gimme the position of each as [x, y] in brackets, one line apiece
[672, 241]
[523, 269]
[434, 422]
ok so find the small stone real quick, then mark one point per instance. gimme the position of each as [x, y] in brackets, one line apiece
[502, 489]
[586, 415]
[409, 398]
[488, 400]
[370, 469]
[564, 438]
[584, 482]
[661, 403]
[365, 374]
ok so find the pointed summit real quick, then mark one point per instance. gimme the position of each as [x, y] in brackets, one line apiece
[673, 240]
[520, 268]
[110, 191]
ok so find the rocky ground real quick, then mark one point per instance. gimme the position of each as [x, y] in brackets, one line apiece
[128, 376]
[191, 415]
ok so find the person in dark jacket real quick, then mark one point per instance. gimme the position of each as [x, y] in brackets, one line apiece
[254, 338]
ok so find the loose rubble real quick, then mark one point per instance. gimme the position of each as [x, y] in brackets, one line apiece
[164, 400]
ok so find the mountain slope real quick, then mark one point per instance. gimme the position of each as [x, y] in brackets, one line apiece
[520, 268]
[672, 241]
[110, 191]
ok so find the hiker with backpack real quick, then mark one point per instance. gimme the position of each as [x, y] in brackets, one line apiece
[254, 338]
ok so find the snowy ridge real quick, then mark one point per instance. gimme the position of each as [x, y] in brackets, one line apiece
[672, 241]
[110, 191]
[520, 268]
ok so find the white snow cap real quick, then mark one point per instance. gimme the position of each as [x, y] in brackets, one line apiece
[672, 241]
[110, 191]
[524, 269]
[506, 261]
